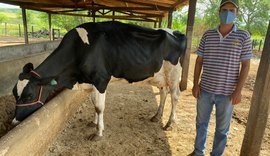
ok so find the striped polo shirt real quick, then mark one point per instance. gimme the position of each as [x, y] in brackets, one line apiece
[222, 58]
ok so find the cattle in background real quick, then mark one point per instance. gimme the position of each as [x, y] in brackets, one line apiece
[93, 53]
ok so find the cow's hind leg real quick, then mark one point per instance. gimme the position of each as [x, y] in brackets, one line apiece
[163, 94]
[99, 102]
[175, 93]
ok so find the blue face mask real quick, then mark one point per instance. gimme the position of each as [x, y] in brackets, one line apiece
[227, 17]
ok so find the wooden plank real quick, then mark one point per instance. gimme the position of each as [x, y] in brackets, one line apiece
[260, 105]
[129, 17]
[25, 26]
[189, 31]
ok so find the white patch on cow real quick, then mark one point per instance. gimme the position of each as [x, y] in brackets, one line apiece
[15, 122]
[170, 31]
[20, 86]
[83, 35]
[99, 100]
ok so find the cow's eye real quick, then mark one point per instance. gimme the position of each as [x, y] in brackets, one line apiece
[29, 97]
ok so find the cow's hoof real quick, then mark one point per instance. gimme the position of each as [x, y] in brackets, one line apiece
[94, 137]
[168, 128]
[154, 119]
[92, 124]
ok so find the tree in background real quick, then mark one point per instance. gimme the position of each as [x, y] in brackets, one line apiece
[255, 15]
[3, 17]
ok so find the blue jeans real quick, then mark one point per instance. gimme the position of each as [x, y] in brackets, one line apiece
[224, 110]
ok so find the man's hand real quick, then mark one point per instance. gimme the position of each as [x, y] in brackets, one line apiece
[236, 97]
[196, 91]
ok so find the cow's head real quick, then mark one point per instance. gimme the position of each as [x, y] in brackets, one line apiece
[31, 92]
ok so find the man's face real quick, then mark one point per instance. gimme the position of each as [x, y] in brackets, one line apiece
[228, 7]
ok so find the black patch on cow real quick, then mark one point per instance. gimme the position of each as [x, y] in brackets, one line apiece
[116, 49]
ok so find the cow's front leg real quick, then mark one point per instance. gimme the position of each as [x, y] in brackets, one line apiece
[175, 93]
[163, 94]
[99, 101]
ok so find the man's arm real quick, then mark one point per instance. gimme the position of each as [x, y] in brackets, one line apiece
[197, 73]
[236, 96]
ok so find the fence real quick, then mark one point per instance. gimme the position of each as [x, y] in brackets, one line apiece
[7, 29]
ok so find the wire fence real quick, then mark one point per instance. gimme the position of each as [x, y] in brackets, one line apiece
[17, 30]
[7, 29]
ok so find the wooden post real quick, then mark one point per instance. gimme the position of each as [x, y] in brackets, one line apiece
[32, 31]
[160, 22]
[20, 33]
[260, 45]
[260, 105]
[50, 26]
[155, 24]
[25, 26]
[170, 19]
[5, 29]
[53, 34]
[189, 31]
[113, 13]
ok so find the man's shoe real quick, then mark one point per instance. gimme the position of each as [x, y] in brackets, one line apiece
[194, 154]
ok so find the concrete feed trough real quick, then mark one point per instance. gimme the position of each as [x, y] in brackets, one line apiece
[33, 135]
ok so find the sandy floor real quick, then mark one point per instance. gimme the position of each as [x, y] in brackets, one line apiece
[128, 130]
[12, 40]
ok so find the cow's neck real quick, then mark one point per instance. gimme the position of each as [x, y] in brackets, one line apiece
[60, 64]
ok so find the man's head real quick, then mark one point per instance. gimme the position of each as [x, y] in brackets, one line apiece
[228, 11]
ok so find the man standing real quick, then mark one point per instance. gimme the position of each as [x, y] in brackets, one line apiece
[221, 53]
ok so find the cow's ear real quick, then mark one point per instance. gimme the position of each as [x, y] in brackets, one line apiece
[28, 67]
[23, 76]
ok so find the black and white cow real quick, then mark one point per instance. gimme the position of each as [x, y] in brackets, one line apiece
[93, 53]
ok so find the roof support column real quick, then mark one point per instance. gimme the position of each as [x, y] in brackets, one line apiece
[113, 14]
[155, 23]
[170, 19]
[189, 31]
[50, 26]
[25, 26]
[260, 105]
[160, 22]
[94, 16]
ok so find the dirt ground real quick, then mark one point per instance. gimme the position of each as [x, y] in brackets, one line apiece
[128, 130]
[12, 40]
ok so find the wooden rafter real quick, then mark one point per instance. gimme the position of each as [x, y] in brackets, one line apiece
[142, 9]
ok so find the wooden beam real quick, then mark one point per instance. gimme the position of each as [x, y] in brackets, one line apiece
[25, 26]
[260, 105]
[189, 31]
[129, 17]
[145, 3]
